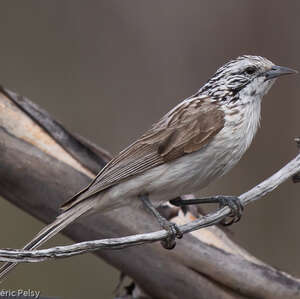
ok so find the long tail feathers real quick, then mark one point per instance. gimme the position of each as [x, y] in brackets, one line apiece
[49, 231]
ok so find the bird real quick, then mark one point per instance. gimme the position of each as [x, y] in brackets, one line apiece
[196, 142]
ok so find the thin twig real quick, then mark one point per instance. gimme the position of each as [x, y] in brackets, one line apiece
[257, 192]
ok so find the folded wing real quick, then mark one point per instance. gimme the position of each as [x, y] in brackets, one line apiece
[184, 130]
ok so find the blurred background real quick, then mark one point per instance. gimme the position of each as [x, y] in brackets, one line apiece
[109, 69]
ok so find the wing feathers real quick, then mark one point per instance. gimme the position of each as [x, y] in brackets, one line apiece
[185, 129]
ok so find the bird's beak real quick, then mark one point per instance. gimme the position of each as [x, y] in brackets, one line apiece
[277, 71]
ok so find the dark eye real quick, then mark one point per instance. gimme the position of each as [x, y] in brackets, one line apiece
[250, 70]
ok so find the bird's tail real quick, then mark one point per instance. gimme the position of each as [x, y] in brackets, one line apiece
[51, 230]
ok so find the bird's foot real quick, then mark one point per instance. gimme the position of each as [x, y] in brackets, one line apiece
[235, 205]
[173, 233]
[233, 202]
[172, 228]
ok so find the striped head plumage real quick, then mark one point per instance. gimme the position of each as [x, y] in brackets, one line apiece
[243, 78]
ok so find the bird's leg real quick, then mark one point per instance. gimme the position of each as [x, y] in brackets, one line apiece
[233, 202]
[172, 228]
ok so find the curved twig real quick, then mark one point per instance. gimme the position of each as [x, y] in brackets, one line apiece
[253, 194]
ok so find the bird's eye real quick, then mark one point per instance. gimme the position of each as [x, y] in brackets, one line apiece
[250, 70]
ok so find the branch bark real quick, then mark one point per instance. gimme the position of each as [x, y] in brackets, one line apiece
[257, 192]
[42, 165]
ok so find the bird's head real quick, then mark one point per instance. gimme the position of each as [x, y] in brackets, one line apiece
[247, 76]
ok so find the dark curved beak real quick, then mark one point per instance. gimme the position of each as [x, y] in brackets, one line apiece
[278, 71]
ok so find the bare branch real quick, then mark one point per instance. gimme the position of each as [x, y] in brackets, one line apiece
[117, 243]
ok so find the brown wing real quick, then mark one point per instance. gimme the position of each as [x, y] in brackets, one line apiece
[185, 129]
